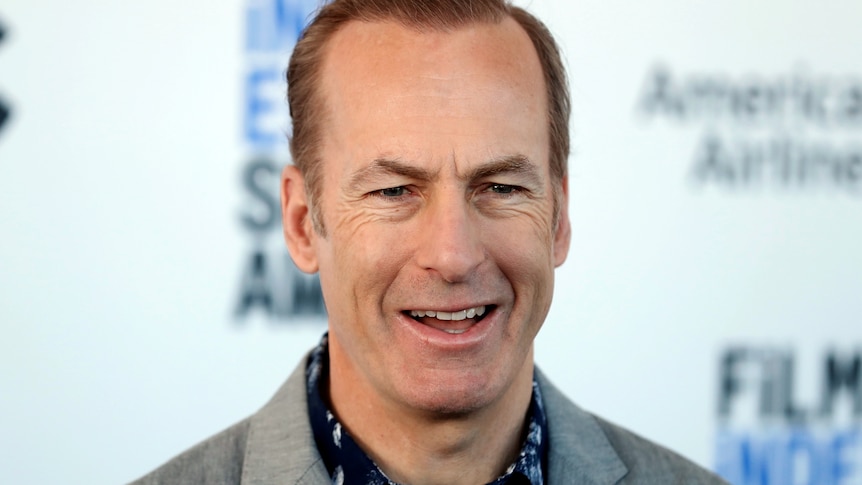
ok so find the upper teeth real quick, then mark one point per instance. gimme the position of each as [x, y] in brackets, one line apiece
[463, 314]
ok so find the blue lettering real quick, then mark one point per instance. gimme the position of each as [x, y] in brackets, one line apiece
[255, 38]
[743, 460]
[802, 458]
[790, 456]
[274, 25]
[289, 21]
[841, 444]
[257, 107]
[758, 462]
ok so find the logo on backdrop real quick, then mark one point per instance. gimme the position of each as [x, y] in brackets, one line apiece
[795, 131]
[770, 433]
[5, 110]
[270, 284]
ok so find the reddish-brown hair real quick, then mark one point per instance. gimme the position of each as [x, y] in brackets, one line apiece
[303, 72]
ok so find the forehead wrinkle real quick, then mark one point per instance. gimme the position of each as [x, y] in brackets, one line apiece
[389, 166]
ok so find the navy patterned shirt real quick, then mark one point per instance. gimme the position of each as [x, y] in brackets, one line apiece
[348, 464]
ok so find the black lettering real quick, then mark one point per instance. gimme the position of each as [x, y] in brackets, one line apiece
[842, 374]
[748, 101]
[852, 104]
[853, 170]
[814, 103]
[729, 383]
[706, 97]
[751, 171]
[260, 179]
[307, 295]
[256, 290]
[713, 163]
[776, 385]
[659, 98]
[791, 412]
[5, 110]
[783, 166]
[817, 168]
[769, 385]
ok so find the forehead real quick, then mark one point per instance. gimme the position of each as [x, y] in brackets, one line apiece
[382, 82]
[488, 46]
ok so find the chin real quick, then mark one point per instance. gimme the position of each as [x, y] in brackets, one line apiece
[448, 406]
[453, 396]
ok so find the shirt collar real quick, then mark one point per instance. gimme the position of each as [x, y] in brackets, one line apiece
[348, 464]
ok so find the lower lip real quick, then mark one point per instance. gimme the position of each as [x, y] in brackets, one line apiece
[471, 337]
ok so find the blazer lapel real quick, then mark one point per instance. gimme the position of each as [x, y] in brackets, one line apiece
[579, 452]
[280, 447]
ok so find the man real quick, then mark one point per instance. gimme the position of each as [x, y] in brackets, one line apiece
[430, 140]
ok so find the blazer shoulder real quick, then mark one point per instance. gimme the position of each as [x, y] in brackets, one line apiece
[585, 448]
[648, 462]
[218, 461]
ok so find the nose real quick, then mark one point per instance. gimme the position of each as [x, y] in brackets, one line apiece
[451, 243]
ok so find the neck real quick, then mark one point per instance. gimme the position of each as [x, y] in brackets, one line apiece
[425, 448]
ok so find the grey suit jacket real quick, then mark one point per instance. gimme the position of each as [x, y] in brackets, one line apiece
[276, 446]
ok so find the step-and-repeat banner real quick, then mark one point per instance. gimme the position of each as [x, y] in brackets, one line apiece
[711, 300]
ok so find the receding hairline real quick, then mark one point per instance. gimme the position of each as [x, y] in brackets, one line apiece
[344, 39]
[307, 98]
[412, 14]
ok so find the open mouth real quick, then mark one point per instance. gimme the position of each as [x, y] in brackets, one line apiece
[456, 322]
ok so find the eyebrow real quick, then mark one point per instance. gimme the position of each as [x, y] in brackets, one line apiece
[508, 164]
[385, 166]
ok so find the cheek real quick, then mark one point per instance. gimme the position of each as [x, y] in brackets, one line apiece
[366, 257]
[523, 251]
[528, 268]
[526, 237]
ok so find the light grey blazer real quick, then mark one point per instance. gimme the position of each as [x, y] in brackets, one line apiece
[276, 446]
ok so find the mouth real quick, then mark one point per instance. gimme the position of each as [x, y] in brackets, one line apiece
[455, 323]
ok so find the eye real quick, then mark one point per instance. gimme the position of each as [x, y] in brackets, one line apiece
[392, 192]
[502, 188]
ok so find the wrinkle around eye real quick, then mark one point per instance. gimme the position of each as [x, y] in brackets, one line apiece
[518, 201]
[401, 204]
[371, 211]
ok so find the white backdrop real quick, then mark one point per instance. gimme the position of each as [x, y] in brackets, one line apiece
[124, 258]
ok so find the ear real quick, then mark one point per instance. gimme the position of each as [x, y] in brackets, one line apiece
[296, 219]
[563, 235]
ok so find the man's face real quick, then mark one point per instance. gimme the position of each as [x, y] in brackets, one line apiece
[438, 262]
